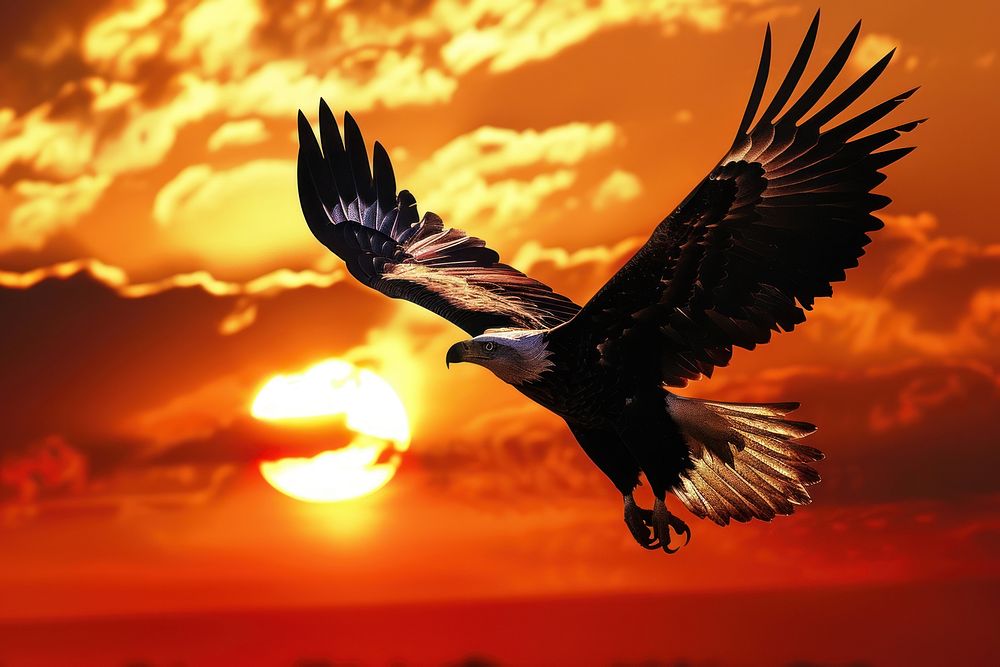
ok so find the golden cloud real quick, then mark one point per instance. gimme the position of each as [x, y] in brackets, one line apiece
[150, 132]
[475, 195]
[601, 257]
[871, 48]
[924, 249]
[879, 325]
[508, 35]
[620, 186]
[238, 133]
[61, 147]
[242, 316]
[41, 207]
[252, 209]
[122, 39]
[114, 277]
[157, 68]
[216, 33]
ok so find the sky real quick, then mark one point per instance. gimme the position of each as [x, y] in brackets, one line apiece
[155, 272]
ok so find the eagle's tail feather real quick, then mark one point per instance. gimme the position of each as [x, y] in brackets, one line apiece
[746, 459]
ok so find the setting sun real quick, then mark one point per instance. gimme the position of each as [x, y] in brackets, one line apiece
[335, 389]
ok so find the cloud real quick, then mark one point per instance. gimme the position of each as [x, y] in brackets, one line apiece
[110, 95]
[576, 273]
[123, 39]
[895, 431]
[184, 185]
[683, 116]
[138, 351]
[533, 253]
[392, 79]
[147, 74]
[116, 279]
[506, 37]
[883, 326]
[49, 465]
[619, 186]
[150, 132]
[475, 195]
[42, 207]
[238, 133]
[60, 147]
[252, 209]
[871, 48]
[244, 314]
[926, 251]
[216, 33]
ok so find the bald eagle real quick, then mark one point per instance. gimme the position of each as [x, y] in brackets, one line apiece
[780, 217]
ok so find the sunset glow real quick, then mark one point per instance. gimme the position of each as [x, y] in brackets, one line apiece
[335, 389]
[191, 382]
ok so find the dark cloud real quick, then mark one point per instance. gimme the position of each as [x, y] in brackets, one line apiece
[917, 431]
[60, 247]
[82, 361]
[46, 467]
[39, 48]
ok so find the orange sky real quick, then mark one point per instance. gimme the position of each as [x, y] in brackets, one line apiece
[155, 270]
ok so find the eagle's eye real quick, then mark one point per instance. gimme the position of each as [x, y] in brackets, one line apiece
[489, 346]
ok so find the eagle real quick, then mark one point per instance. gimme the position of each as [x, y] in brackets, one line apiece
[783, 214]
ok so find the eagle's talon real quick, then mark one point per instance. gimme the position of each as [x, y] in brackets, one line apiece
[662, 522]
[639, 522]
[680, 528]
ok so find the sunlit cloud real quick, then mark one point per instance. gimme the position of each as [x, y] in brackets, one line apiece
[620, 186]
[120, 41]
[870, 49]
[479, 190]
[42, 207]
[879, 325]
[242, 316]
[117, 279]
[238, 133]
[927, 249]
[252, 208]
[533, 253]
[509, 34]
[108, 96]
[150, 133]
[46, 466]
[155, 70]
[215, 33]
[61, 147]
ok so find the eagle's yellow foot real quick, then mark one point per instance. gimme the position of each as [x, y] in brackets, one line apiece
[661, 522]
[639, 522]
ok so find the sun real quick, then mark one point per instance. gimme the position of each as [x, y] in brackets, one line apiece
[335, 389]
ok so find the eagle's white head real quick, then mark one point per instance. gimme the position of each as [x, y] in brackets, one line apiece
[516, 356]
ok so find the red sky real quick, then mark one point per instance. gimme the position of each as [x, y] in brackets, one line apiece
[155, 270]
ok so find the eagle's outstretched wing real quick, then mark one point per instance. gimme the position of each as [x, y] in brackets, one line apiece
[386, 246]
[778, 220]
